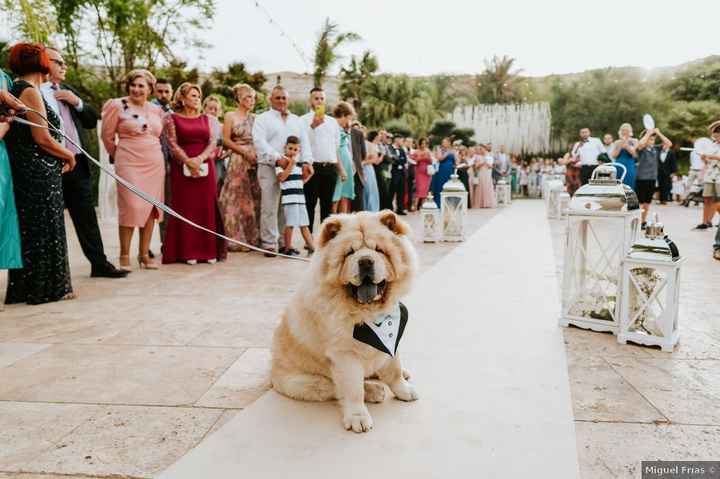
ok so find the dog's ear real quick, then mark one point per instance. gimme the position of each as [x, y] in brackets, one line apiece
[328, 230]
[393, 223]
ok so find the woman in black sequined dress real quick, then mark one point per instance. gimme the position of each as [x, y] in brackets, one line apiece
[38, 160]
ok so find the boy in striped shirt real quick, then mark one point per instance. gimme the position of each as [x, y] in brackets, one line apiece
[292, 198]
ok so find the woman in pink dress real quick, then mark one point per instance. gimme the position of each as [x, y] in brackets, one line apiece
[192, 144]
[482, 184]
[423, 158]
[131, 129]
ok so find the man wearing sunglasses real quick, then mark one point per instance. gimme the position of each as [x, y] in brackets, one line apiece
[76, 117]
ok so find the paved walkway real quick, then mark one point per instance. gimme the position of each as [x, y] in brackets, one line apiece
[489, 363]
[127, 379]
[635, 403]
[131, 375]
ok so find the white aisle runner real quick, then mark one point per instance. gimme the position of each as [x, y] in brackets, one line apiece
[488, 359]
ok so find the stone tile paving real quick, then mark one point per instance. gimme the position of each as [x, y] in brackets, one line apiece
[636, 403]
[124, 380]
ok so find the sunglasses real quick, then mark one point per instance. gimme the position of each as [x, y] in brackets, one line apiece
[59, 63]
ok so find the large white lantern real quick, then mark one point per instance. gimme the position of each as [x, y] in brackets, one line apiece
[430, 214]
[503, 193]
[453, 209]
[650, 291]
[552, 199]
[603, 221]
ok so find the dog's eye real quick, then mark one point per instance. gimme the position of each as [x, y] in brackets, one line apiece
[379, 250]
[350, 253]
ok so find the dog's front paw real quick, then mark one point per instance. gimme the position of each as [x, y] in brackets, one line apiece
[374, 392]
[357, 418]
[404, 391]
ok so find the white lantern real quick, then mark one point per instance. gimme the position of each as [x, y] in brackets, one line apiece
[430, 214]
[503, 193]
[453, 209]
[603, 221]
[563, 205]
[552, 198]
[650, 291]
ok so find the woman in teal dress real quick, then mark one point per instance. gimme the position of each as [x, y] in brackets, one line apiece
[10, 255]
[345, 186]
[624, 152]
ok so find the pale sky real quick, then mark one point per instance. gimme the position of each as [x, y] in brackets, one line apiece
[454, 36]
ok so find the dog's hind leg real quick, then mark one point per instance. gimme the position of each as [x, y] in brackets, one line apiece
[305, 387]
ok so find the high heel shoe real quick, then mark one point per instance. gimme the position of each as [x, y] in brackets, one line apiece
[145, 262]
[124, 262]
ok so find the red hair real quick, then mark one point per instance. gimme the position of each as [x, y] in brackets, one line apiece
[28, 58]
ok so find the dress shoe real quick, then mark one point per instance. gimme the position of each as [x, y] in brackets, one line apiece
[107, 270]
[401, 212]
[270, 253]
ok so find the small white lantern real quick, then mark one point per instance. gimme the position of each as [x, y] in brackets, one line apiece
[453, 209]
[430, 214]
[650, 291]
[603, 221]
[503, 193]
[552, 198]
[563, 205]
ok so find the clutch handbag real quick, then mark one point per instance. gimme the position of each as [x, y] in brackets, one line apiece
[203, 170]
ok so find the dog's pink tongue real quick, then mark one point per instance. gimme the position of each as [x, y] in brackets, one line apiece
[367, 292]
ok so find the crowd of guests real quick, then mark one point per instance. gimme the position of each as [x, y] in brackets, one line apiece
[649, 167]
[254, 178]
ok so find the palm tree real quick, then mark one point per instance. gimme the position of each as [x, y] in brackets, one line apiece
[355, 76]
[498, 83]
[327, 48]
[398, 97]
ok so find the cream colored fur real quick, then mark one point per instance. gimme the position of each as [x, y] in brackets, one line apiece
[315, 357]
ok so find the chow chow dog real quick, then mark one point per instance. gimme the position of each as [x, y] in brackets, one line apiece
[364, 263]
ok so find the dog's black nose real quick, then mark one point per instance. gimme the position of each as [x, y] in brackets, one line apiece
[366, 267]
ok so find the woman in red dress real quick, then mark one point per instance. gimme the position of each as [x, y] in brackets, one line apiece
[423, 158]
[190, 137]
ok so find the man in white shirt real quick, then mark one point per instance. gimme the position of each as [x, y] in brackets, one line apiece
[586, 152]
[324, 135]
[270, 133]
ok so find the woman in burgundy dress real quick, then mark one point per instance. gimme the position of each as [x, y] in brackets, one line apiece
[192, 179]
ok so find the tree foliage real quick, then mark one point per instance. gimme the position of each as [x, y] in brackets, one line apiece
[498, 83]
[356, 75]
[327, 49]
[601, 100]
[698, 82]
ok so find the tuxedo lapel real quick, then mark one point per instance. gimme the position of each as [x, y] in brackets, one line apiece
[384, 333]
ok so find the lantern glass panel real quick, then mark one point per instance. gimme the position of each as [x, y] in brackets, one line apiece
[647, 297]
[430, 225]
[594, 251]
[452, 225]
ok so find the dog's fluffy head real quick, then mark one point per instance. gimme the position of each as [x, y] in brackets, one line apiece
[366, 260]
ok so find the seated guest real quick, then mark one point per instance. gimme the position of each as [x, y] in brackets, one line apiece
[38, 160]
[77, 116]
[192, 144]
[138, 158]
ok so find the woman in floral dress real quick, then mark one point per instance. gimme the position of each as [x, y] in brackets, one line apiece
[240, 194]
